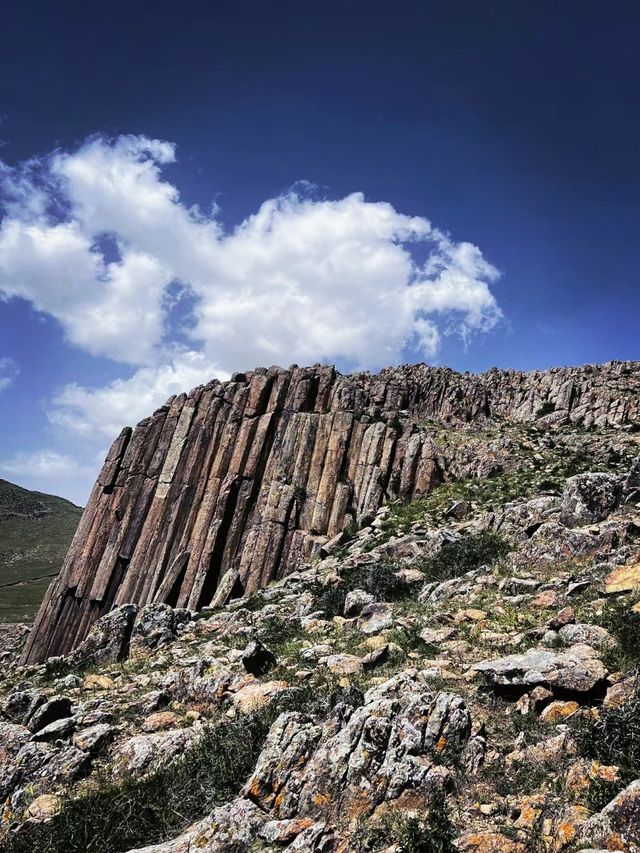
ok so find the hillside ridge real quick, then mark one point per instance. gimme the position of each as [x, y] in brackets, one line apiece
[36, 530]
[237, 483]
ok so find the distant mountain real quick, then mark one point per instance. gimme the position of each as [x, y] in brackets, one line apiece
[35, 532]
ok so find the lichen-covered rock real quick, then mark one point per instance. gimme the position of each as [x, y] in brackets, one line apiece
[355, 600]
[155, 626]
[395, 745]
[587, 634]
[375, 617]
[256, 695]
[588, 498]
[144, 754]
[93, 738]
[108, 640]
[578, 670]
[57, 730]
[20, 705]
[617, 826]
[622, 579]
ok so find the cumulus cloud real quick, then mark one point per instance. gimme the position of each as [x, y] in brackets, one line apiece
[41, 463]
[8, 372]
[101, 412]
[97, 236]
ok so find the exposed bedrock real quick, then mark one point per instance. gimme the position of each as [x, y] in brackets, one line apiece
[236, 483]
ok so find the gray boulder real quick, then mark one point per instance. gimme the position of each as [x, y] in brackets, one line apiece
[108, 640]
[589, 498]
[578, 670]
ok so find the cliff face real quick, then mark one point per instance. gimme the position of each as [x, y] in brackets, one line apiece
[234, 484]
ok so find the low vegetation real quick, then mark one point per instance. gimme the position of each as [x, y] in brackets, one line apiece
[433, 833]
[382, 580]
[614, 738]
[623, 622]
[112, 817]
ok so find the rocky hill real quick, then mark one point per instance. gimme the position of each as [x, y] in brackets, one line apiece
[455, 667]
[35, 533]
[237, 483]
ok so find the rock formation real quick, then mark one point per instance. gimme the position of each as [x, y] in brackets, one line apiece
[457, 672]
[237, 483]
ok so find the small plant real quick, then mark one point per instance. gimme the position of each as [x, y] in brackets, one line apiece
[547, 408]
[435, 833]
[380, 580]
[614, 738]
[600, 793]
[463, 555]
[277, 633]
[623, 622]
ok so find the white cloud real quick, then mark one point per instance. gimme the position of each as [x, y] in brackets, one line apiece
[53, 472]
[101, 412]
[302, 280]
[8, 372]
[40, 463]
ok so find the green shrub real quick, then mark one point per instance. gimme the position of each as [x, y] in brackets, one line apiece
[600, 793]
[112, 817]
[435, 833]
[624, 623]
[547, 408]
[463, 555]
[380, 580]
[383, 581]
[276, 632]
[614, 738]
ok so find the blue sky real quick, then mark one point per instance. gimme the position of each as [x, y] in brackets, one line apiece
[190, 189]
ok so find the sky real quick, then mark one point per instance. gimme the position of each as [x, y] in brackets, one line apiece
[191, 189]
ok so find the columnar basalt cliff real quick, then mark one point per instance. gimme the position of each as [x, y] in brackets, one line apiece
[237, 483]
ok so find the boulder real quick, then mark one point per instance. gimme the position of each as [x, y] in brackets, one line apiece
[622, 579]
[108, 640]
[342, 664]
[144, 754]
[591, 635]
[58, 730]
[257, 658]
[252, 697]
[577, 670]
[93, 738]
[20, 705]
[588, 498]
[357, 599]
[617, 826]
[43, 807]
[155, 626]
[374, 618]
[56, 708]
[632, 480]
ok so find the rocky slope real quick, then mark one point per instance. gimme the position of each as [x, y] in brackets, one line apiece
[36, 530]
[455, 672]
[238, 483]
